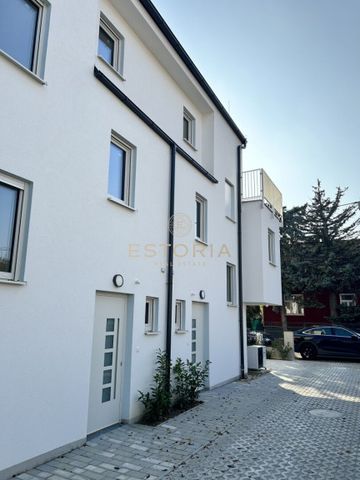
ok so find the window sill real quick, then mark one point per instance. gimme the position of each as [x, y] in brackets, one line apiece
[119, 202]
[201, 241]
[234, 305]
[112, 68]
[152, 333]
[190, 144]
[24, 69]
[181, 332]
[4, 281]
[272, 264]
[231, 219]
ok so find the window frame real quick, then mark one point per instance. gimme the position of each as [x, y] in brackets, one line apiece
[119, 41]
[190, 119]
[40, 42]
[230, 215]
[271, 247]
[151, 326]
[202, 220]
[231, 298]
[348, 302]
[180, 311]
[129, 175]
[19, 243]
[300, 305]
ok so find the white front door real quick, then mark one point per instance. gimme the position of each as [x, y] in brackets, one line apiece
[107, 361]
[198, 332]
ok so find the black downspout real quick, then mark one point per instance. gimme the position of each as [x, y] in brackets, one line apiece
[170, 265]
[239, 242]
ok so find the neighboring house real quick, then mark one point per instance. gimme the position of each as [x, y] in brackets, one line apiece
[119, 221]
[302, 311]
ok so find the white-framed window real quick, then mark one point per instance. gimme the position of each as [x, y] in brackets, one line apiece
[121, 178]
[230, 284]
[111, 44]
[294, 304]
[229, 200]
[347, 299]
[200, 218]
[179, 315]
[151, 314]
[271, 246]
[23, 32]
[189, 127]
[14, 217]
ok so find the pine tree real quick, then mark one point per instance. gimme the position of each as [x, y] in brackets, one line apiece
[320, 247]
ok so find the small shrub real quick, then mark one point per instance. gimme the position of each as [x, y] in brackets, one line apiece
[283, 350]
[188, 379]
[157, 402]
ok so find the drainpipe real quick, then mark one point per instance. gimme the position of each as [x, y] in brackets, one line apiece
[170, 263]
[239, 243]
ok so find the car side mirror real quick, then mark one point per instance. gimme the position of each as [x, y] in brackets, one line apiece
[355, 337]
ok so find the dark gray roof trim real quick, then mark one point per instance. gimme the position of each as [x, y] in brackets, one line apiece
[174, 42]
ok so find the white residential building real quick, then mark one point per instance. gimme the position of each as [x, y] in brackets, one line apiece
[119, 221]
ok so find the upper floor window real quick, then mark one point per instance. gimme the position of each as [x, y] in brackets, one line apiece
[23, 32]
[271, 246]
[14, 200]
[151, 314]
[294, 304]
[121, 171]
[229, 200]
[230, 284]
[200, 218]
[189, 127]
[111, 44]
[347, 299]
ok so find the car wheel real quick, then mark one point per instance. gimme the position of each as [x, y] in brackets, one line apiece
[308, 351]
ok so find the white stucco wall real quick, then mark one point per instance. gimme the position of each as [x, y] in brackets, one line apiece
[57, 136]
[262, 280]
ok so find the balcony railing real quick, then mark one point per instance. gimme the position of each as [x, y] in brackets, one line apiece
[257, 185]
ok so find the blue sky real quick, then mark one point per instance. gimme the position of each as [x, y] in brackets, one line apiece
[289, 72]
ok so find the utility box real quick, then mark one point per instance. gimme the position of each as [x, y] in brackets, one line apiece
[256, 356]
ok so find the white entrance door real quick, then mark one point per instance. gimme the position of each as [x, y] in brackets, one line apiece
[107, 360]
[198, 332]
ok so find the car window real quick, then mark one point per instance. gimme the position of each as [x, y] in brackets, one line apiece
[341, 332]
[316, 331]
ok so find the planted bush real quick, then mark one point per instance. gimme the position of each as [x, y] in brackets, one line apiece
[283, 349]
[186, 381]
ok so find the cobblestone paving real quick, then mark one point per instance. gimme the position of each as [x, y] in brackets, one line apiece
[299, 421]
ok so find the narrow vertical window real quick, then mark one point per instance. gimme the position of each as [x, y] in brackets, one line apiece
[230, 284]
[111, 44]
[200, 218]
[13, 216]
[120, 177]
[151, 314]
[229, 200]
[23, 32]
[271, 246]
[179, 315]
[189, 127]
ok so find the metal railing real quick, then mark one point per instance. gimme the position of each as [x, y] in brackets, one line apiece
[257, 185]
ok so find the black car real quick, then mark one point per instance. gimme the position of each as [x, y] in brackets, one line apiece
[327, 341]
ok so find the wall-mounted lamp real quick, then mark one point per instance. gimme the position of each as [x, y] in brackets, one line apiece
[118, 280]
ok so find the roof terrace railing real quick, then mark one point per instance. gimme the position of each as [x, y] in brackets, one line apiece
[257, 185]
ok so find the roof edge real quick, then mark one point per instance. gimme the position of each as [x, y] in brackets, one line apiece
[174, 42]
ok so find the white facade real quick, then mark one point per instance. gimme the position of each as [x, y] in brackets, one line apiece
[58, 302]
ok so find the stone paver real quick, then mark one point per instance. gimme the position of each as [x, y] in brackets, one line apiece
[263, 429]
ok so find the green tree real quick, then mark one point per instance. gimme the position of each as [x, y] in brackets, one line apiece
[320, 247]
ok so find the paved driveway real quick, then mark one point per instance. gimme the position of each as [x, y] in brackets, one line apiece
[299, 421]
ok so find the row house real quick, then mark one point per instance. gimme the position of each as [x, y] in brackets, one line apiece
[120, 221]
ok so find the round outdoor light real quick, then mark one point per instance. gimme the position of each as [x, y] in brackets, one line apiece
[202, 294]
[118, 280]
